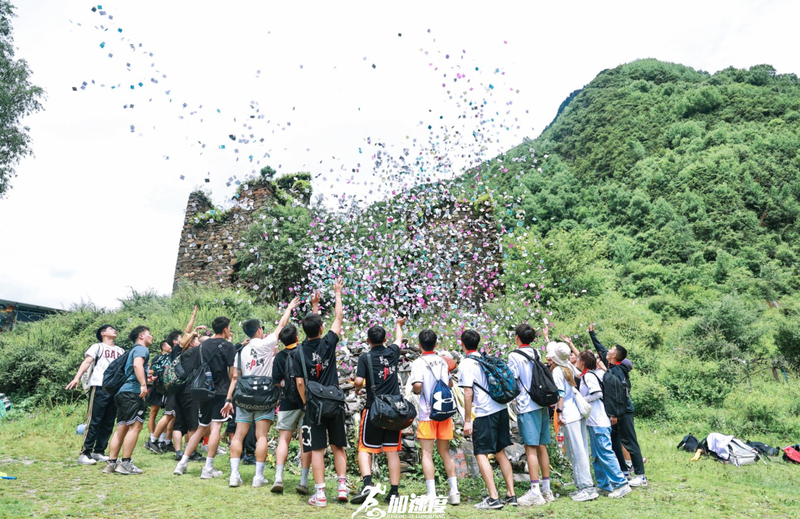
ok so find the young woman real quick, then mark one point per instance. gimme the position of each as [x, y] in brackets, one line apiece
[569, 418]
[606, 467]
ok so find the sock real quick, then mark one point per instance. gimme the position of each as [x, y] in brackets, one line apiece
[278, 472]
[304, 477]
[453, 484]
[368, 480]
[235, 465]
[112, 461]
[209, 463]
[184, 460]
[395, 489]
[260, 469]
[545, 484]
[431, 484]
[163, 437]
[125, 459]
[152, 439]
[320, 490]
[535, 486]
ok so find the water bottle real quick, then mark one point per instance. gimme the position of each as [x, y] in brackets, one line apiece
[209, 381]
[560, 440]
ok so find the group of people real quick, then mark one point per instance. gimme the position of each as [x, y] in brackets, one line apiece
[299, 367]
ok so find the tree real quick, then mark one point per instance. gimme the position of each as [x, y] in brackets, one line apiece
[18, 99]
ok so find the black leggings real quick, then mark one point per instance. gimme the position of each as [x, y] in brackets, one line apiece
[624, 434]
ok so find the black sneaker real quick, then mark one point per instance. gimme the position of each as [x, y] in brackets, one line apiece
[361, 496]
[166, 447]
[152, 447]
[178, 455]
[510, 500]
[388, 498]
[248, 459]
[196, 456]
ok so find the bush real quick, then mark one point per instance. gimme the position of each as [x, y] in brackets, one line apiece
[727, 327]
[650, 398]
[695, 381]
[787, 339]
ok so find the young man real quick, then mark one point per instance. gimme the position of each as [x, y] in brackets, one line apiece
[101, 411]
[623, 432]
[131, 405]
[290, 413]
[490, 431]
[533, 420]
[157, 401]
[381, 372]
[219, 355]
[183, 407]
[426, 371]
[255, 360]
[320, 363]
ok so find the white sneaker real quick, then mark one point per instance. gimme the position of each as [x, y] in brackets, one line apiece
[454, 498]
[211, 473]
[549, 497]
[83, 459]
[260, 481]
[99, 457]
[638, 481]
[587, 494]
[531, 498]
[622, 491]
[235, 480]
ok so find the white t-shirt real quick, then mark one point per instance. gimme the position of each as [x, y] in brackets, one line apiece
[258, 356]
[470, 375]
[571, 413]
[107, 354]
[590, 385]
[420, 373]
[522, 369]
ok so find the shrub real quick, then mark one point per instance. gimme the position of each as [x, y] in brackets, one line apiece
[650, 398]
[787, 339]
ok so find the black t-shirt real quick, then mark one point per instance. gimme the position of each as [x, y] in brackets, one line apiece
[320, 355]
[218, 363]
[384, 371]
[279, 374]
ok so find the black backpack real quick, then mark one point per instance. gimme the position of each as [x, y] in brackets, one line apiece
[615, 394]
[689, 443]
[543, 390]
[763, 448]
[198, 387]
[289, 394]
[322, 402]
[255, 393]
[389, 412]
[114, 376]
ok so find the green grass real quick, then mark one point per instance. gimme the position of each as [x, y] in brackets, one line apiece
[40, 449]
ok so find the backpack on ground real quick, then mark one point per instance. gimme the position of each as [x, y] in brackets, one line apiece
[741, 454]
[389, 412]
[543, 390]
[114, 376]
[201, 390]
[174, 377]
[763, 448]
[255, 393]
[791, 454]
[689, 443]
[441, 400]
[157, 367]
[322, 402]
[289, 393]
[501, 384]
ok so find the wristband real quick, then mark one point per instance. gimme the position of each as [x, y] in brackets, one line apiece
[559, 410]
[228, 401]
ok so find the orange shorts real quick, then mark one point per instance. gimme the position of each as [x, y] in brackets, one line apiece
[374, 439]
[433, 430]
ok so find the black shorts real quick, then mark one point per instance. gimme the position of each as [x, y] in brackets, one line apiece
[169, 405]
[156, 398]
[317, 437]
[374, 439]
[211, 411]
[185, 409]
[130, 408]
[491, 434]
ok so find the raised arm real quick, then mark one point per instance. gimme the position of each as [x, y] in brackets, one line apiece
[567, 340]
[287, 315]
[315, 302]
[398, 330]
[598, 346]
[190, 326]
[336, 327]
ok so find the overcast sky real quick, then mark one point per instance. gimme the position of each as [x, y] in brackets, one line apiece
[99, 208]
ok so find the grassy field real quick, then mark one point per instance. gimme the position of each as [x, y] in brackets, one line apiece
[39, 449]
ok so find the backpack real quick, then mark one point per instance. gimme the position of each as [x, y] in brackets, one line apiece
[741, 453]
[543, 390]
[502, 385]
[689, 443]
[389, 412]
[201, 390]
[174, 377]
[157, 367]
[443, 405]
[114, 376]
[791, 453]
[763, 448]
[289, 394]
[322, 402]
[615, 394]
[255, 393]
